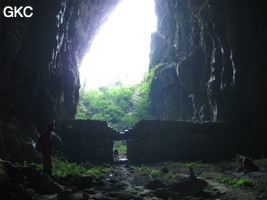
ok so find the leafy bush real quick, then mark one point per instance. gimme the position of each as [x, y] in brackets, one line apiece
[120, 145]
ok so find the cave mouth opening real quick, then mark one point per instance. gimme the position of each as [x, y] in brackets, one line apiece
[120, 150]
[120, 50]
[116, 63]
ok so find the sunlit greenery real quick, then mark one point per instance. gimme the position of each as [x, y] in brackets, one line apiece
[121, 106]
[120, 145]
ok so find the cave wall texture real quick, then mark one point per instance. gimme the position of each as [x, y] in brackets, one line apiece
[211, 58]
[40, 56]
[212, 62]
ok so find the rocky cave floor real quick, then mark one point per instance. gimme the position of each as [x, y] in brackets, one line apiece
[229, 180]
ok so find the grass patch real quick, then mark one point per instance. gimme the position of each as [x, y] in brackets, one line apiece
[147, 171]
[171, 176]
[241, 182]
[231, 181]
[64, 168]
[190, 164]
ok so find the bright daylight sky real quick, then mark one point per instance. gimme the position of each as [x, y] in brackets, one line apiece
[120, 50]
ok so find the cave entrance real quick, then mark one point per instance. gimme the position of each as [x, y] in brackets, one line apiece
[120, 50]
[118, 58]
[120, 151]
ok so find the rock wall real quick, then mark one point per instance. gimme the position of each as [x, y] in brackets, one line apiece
[212, 62]
[211, 55]
[157, 140]
[86, 140]
[40, 56]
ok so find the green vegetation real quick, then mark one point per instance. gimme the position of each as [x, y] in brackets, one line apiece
[60, 168]
[232, 181]
[63, 168]
[147, 171]
[191, 164]
[262, 162]
[120, 145]
[241, 182]
[155, 173]
[24, 186]
[36, 166]
[237, 182]
[114, 105]
[139, 168]
[172, 176]
[121, 106]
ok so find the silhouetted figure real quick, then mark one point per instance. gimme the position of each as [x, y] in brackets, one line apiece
[45, 146]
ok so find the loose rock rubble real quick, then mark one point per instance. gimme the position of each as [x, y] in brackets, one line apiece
[124, 182]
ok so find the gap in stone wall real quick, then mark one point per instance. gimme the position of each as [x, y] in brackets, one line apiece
[120, 151]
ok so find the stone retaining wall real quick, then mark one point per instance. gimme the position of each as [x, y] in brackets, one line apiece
[86, 140]
[156, 140]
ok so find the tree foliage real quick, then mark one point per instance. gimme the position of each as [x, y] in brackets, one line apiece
[121, 106]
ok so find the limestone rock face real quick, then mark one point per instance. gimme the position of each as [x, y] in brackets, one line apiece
[214, 62]
[212, 57]
[40, 56]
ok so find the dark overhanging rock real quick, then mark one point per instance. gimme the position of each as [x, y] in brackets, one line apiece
[217, 51]
[40, 57]
[211, 70]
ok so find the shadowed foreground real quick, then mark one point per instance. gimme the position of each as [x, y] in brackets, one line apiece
[169, 180]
